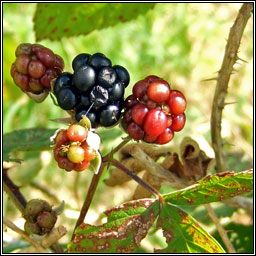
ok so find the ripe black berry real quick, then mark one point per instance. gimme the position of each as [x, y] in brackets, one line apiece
[63, 80]
[116, 92]
[99, 60]
[84, 100]
[80, 60]
[122, 74]
[84, 78]
[66, 98]
[98, 96]
[109, 115]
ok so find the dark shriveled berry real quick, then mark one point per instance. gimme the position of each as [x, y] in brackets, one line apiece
[32, 228]
[46, 219]
[98, 96]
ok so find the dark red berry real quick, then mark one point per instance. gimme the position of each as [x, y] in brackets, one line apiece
[128, 115]
[47, 57]
[155, 122]
[21, 81]
[135, 131]
[36, 69]
[150, 79]
[48, 76]
[165, 137]
[139, 112]
[46, 219]
[177, 102]
[149, 138]
[35, 86]
[21, 64]
[130, 101]
[178, 122]
[140, 89]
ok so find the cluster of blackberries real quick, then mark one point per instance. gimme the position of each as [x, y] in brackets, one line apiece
[40, 218]
[95, 89]
[35, 67]
[71, 150]
[154, 112]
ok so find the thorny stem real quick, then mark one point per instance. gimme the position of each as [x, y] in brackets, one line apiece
[225, 72]
[94, 184]
[220, 229]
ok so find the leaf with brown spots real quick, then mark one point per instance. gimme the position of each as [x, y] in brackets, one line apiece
[213, 188]
[57, 20]
[34, 139]
[126, 226]
[184, 234]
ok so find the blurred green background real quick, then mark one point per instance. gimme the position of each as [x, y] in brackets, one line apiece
[183, 43]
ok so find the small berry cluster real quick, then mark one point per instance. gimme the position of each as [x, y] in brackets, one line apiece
[35, 67]
[154, 112]
[71, 150]
[95, 89]
[40, 218]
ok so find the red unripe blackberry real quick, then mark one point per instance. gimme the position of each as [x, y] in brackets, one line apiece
[135, 131]
[139, 112]
[178, 122]
[155, 122]
[177, 102]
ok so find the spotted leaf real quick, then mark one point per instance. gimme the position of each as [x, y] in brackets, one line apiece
[57, 20]
[184, 234]
[126, 226]
[213, 188]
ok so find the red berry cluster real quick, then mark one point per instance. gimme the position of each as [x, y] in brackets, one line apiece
[40, 218]
[154, 112]
[71, 150]
[35, 67]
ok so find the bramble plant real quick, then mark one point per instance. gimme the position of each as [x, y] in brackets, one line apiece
[94, 96]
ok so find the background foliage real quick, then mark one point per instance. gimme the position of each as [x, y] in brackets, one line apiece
[184, 44]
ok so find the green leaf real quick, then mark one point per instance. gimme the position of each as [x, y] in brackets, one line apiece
[126, 226]
[26, 140]
[57, 20]
[241, 237]
[184, 234]
[213, 188]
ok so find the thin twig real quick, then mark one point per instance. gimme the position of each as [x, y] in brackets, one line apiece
[220, 229]
[13, 192]
[88, 199]
[223, 78]
[23, 234]
[94, 184]
[137, 179]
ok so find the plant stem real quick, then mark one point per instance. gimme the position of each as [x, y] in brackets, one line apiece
[89, 197]
[223, 78]
[138, 179]
[94, 183]
[23, 234]
[13, 192]
[220, 229]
